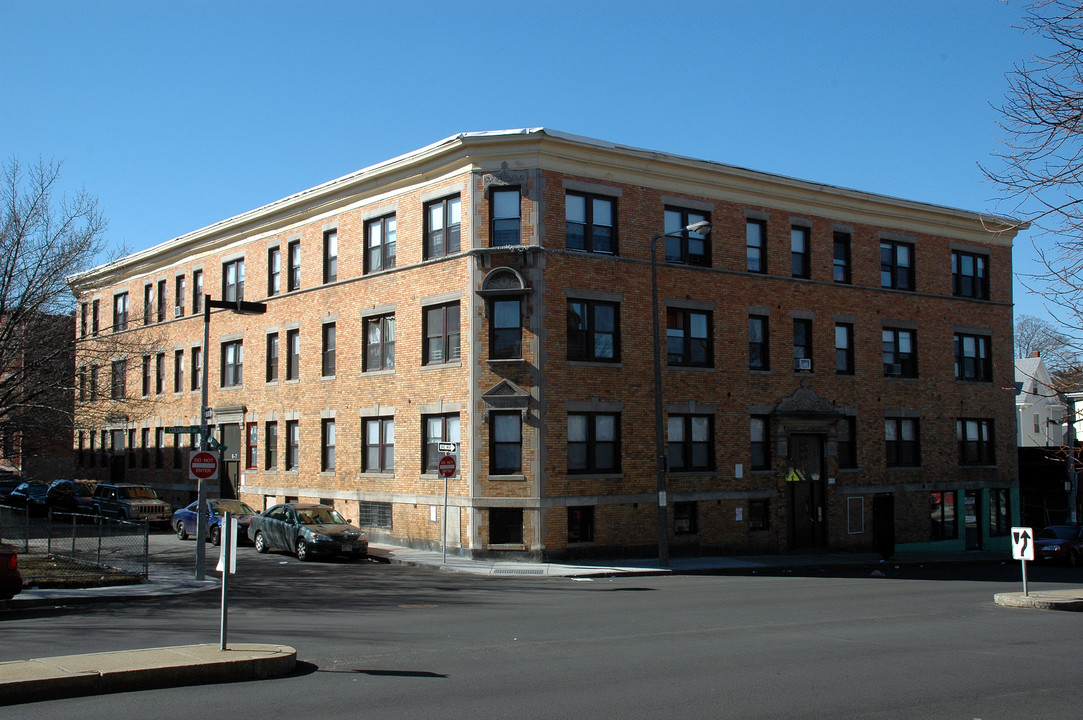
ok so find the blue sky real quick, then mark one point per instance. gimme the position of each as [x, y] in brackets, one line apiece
[180, 114]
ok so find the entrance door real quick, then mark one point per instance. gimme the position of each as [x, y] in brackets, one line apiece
[804, 480]
[231, 459]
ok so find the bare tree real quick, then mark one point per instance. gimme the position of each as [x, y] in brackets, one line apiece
[1035, 335]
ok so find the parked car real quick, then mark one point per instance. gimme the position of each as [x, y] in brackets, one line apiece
[1059, 543]
[11, 582]
[29, 495]
[8, 482]
[71, 496]
[129, 501]
[307, 530]
[185, 519]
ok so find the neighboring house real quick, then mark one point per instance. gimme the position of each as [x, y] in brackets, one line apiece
[834, 363]
[1040, 409]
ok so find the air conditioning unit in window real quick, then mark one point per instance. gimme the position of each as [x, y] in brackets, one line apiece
[178, 311]
[893, 369]
[803, 363]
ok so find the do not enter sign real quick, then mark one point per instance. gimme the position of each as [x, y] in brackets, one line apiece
[203, 465]
[447, 466]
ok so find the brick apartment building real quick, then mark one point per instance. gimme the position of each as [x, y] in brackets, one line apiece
[836, 366]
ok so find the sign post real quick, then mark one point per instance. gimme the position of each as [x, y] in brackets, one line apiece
[227, 565]
[448, 468]
[1023, 549]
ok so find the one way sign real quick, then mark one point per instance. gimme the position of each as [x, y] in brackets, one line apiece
[1022, 543]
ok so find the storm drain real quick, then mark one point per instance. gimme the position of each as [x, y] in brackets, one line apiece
[518, 571]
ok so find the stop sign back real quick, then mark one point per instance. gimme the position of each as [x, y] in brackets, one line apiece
[203, 465]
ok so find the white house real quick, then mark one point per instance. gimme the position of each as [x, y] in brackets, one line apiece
[1040, 410]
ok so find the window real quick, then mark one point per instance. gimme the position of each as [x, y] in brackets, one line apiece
[975, 441]
[842, 257]
[146, 376]
[506, 222]
[119, 388]
[802, 344]
[233, 281]
[197, 291]
[327, 445]
[159, 373]
[293, 354]
[178, 371]
[327, 354]
[251, 446]
[580, 524]
[799, 252]
[688, 337]
[378, 453]
[900, 353]
[506, 329]
[438, 429]
[84, 311]
[270, 446]
[120, 312]
[1000, 512]
[93, 382]
[148, 304]
[374, 515]
[969, 275]
[274, 271]
[197, 368]
[505, 526]
[94, 317]
[944, 520]
[380, 244]
[293, 445]
[847, 443]
[380, 342]
[685, 518]
[178, 460]
[161, 300]
[330, 256]
[691, 442]
[159, 448]
[759, 346]
[896, 265]
[178, 296]
[759, 515]
[593, 443]
[272, 357]
[441, 334]
[761, 459]
[683, 246]
[506, 443]
[82, 384]
[903, 442]
[756, 246]
[293, 262]
[844, 348]
[232, 363]
[144, 437]
[973, 360]
[593, 331]
[443, 227]
[590, 223]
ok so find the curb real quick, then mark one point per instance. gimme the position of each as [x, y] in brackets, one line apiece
[1067, 600]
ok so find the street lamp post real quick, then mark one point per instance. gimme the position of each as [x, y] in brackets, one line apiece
[700, 228]
[241, 308]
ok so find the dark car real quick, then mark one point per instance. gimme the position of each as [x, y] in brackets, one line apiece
[71, 496]
[184, 520]
[30, 495]
[307, 530]
[8, 482]
[129, 501]
[1059, 543]
[11, 582]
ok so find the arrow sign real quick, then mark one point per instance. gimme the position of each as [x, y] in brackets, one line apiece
[1022, 547]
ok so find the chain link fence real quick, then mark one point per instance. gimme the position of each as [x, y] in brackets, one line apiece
[65, 549]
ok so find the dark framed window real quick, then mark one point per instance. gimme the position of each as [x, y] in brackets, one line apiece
[330, 256]
[443, 227]
[159, 374]
[120, 312]
[159, 448]
[756, 246]
[1000, 512]
[82, 384]
[95, 316]
[759, 342]
[760, 438]
[438, 429]
[327, 353]
[593, 331]
[179, 290]
[802, 344]
[505, 329]
[380, 244]
[197, 291]
[146, 376]
[976, 442]
[505, 526]
[691, 442]
[148, 304]
[903, 442]
[593, 442]
[94, 382]
[441, 334]
[274, 271]
[84, 311]
[327, 445]
[293, 445]
[376, 515]
[293, 265]
[178, 371]
[969, 275]
[900, 352]
[844, 348]
[580, 524]
[973, 359]
[293, 354]
[943, 512]
[759, 515]
[683, 246]
[506, 219]
[689, 337]
[272, 357]
[378, 451]
[379, 342]
[896, 265]
[841, 262]
[178, 451]
[590, 223]
[233, 281]
[197, 368]
[800, 262]
[846, 447]
[506, 443]
[119, 388]
[251, 446]
[232, 363]
[161, 300]
[144, 437]
[685, 518]
[270, 445]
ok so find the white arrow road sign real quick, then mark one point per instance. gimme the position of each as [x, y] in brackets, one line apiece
[1022, 543]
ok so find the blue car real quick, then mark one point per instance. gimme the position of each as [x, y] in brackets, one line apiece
[184, 520]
